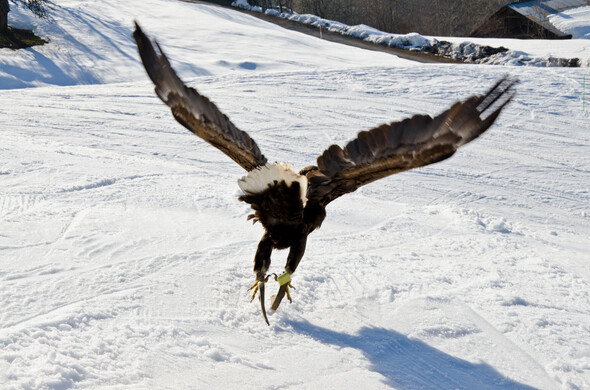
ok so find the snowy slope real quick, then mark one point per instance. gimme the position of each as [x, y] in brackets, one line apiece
[90, 42]
[125, 256]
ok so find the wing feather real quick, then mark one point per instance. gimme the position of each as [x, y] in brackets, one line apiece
[195, 111]
[400, 146]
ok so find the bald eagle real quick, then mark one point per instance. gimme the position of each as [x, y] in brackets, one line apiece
[289, 204]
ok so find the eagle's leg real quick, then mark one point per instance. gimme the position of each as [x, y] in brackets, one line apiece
[295, 255]
[261, 265]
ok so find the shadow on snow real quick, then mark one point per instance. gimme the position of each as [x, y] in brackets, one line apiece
[411, 364]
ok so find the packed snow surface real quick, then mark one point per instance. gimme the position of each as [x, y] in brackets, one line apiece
[125, 256]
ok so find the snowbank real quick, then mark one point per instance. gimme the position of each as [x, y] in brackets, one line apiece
[457, 48]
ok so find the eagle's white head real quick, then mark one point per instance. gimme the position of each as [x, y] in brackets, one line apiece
[259, 179]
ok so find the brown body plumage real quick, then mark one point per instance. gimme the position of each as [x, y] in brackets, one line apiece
[287, 216]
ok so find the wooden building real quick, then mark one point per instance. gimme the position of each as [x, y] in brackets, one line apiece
[527, 20]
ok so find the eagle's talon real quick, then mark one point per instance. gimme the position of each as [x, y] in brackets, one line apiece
[258, 287]
[287, 292]
[255, 288]
[260, 280]
[283, 290]
[285, 280]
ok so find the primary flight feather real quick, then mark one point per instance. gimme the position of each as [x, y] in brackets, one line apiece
[291, 205]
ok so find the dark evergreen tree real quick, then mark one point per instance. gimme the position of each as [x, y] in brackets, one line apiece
[37, 6]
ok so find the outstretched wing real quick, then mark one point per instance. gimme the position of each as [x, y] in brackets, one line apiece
[195, 111]
[400, 146]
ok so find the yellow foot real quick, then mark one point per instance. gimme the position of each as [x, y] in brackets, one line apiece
[285, 282]
[288, 285]
[258, 287]
[260, 280]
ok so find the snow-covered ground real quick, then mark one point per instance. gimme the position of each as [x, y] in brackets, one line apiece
[90, 43]
[537, 52]
[125, 256]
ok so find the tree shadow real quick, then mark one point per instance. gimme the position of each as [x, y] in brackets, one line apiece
[411, 364]
[46, 72]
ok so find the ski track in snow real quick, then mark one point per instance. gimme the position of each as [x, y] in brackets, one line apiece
[125, 256]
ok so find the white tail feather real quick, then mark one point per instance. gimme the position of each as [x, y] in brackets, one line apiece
[259, 179]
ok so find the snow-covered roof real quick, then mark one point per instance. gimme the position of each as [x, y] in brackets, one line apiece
[539, 11]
